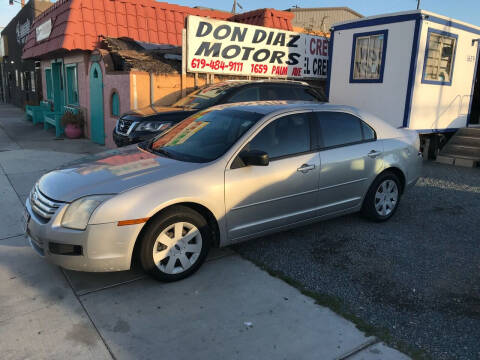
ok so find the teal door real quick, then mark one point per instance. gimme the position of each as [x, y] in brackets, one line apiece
[96, 104]
[58, 87]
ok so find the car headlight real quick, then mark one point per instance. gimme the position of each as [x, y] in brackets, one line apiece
[153, 126]
[78, 212]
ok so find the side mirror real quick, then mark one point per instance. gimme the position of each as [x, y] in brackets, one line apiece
[254, 158]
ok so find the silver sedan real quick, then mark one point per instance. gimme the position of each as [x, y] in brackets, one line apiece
[224, 175]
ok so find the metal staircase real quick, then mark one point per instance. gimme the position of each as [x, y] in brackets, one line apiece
[463, 149]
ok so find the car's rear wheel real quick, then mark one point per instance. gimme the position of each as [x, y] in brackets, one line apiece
[175, 244]
[382, 198]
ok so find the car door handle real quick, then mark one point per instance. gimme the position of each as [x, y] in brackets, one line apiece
[306, 168]
[374, 153]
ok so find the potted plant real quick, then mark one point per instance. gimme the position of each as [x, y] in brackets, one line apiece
[72, 124]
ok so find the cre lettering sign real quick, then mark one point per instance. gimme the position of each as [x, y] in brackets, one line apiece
[223, 47]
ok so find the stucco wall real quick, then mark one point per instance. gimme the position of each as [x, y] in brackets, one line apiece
[167, 88]
[114, 82]
[81, 60]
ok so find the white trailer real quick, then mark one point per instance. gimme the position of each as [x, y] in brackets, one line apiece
[414, 69]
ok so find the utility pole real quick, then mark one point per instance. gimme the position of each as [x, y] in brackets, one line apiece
[234, 7]
[418, 4]
[22, 2]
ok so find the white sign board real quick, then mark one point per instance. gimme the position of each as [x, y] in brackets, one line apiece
[229, 48]
[43, 30]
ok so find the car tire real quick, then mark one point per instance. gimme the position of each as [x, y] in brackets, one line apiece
[382, 198]
[174, 244]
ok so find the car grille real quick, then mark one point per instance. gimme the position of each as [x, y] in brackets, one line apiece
[123, 126]
[42, 206]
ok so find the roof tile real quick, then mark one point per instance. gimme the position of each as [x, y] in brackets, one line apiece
[108, 5]
[77, 24]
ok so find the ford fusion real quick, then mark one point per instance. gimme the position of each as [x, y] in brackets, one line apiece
[221, 176]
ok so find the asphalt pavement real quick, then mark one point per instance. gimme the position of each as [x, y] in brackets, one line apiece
[413, 281]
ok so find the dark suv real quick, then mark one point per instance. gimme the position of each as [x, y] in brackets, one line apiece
[142, 124]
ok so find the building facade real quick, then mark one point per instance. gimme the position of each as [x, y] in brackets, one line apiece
[21, 78]
[82, 66]
[320, 20]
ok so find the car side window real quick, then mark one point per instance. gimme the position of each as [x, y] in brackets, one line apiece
[247, 94]
[286, 136]
[339, 128]
[368, 132]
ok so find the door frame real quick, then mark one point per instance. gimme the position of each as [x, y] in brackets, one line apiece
[53, 64]
[95, 65]
[475, 95]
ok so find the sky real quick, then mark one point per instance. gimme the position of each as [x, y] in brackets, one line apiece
[465, 10]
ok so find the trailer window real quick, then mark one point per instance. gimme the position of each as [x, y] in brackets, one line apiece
[368, 56]
[439, 57]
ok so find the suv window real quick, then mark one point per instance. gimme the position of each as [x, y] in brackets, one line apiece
[250, 93]
[286, 136]
[304, 94]
[339, 128]
[277, 92]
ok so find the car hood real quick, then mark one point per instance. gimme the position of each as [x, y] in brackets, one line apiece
[110, 172]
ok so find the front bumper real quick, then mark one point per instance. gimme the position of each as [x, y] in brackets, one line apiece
[133, 138]
[104, 247]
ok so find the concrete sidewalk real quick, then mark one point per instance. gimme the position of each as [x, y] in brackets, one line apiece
[230, 309]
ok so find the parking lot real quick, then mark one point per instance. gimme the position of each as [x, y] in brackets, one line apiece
[412, 282]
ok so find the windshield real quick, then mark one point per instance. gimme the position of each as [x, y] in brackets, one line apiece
[202, 98]
[205, 136]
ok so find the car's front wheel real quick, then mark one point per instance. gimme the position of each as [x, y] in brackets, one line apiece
[383, 197]
[174, 244]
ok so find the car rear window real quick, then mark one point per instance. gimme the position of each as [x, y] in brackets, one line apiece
[338, 128]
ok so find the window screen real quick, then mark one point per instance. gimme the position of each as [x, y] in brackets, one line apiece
[368, 59]
[288, 135]
[32, 79]
[48, 82]
[439, 57]
[337, 129]
[72, 84]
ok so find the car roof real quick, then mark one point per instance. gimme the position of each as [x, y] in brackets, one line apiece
[271, 107]
[238, 83]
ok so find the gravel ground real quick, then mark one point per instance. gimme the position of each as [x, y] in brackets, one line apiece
[415, 278]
